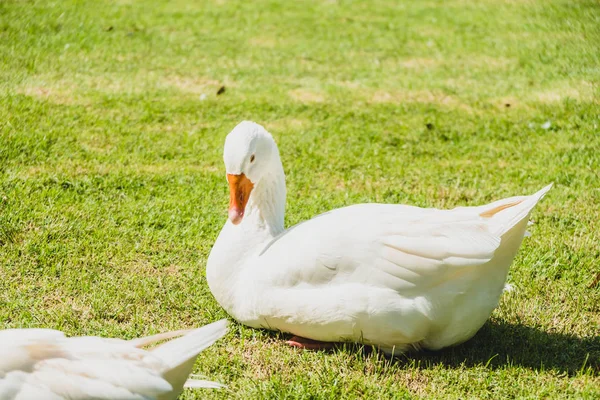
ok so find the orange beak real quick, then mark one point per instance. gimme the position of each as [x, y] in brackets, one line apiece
[239, 193]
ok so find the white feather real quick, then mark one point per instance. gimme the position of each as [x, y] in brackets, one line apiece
[44, 364]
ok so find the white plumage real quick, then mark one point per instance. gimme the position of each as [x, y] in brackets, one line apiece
[40, 364]
[393, 276]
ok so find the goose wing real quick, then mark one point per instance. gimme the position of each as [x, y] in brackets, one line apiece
[44, 364]
[390, 246]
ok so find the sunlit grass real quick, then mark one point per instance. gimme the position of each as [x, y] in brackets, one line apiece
[112, 187]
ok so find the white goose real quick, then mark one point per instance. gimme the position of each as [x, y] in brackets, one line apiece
[44, 364]
[393, 276]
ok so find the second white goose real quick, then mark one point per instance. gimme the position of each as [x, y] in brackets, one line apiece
[44, 364]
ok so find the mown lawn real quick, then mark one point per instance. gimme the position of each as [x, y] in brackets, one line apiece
[112, 187]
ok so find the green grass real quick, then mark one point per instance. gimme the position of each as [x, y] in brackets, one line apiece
[112, 187]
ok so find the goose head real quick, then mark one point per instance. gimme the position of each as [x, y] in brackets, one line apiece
[250, 153]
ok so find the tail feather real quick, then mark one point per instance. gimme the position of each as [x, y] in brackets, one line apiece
[178, 351]
[511, 213]
[179, 355]
[148, 340]
[493, 211]
[195, 383]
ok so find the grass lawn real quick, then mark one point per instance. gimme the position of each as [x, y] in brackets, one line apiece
[112, 186]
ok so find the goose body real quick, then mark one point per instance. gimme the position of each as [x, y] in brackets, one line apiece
[44, 364]
[393, 276]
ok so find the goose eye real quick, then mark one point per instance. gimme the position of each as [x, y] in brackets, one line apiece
[252, 158]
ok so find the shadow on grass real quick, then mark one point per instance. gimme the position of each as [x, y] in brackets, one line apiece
[500, 344]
